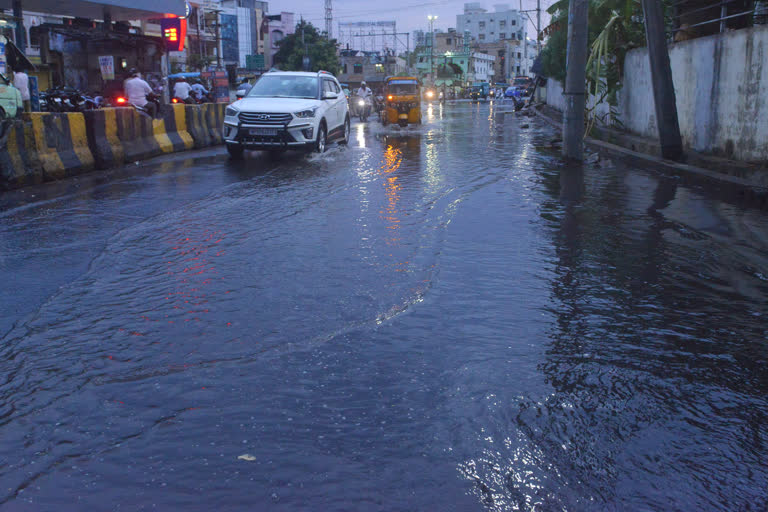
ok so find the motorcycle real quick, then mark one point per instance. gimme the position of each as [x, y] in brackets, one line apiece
[364, 106]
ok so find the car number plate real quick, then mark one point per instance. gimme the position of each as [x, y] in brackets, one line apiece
[262, 131]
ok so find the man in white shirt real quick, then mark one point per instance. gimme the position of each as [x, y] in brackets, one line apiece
[364, 91]
[181, 90]
[137, 89]
[21, 82]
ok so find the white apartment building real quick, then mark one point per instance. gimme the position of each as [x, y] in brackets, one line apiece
[488, 27]
[482, 67]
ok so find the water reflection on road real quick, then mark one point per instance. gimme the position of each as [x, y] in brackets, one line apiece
[438, 318]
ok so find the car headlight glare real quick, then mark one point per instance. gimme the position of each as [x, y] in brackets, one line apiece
[231, 112]
[310, 112]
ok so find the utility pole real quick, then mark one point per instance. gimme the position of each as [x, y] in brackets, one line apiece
[432, 47]
[576, 75]
[218, 38]
[328, 18]
[661, 78]
[21, 36]
[538, 28]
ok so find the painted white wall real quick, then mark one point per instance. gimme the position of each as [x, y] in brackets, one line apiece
[721, 87]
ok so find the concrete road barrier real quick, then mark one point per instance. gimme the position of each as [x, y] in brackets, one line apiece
[60, 143]
[196, 125]
[170, 130]
[18, 165]
[214, 120]
[45, 146]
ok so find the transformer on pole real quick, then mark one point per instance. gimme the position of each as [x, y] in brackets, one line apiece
[328, 18]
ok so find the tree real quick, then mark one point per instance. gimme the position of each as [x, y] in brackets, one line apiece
[615, 27]
[320, 50]
[199, 62]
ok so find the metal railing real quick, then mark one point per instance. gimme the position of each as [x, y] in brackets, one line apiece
[681, 12]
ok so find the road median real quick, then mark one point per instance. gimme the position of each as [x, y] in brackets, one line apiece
[45, 146]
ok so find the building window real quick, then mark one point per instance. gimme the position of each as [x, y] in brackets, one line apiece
[482, 24]
[421, 59]
[358, 69]
[448, 41]
[344, 67]
[379, 68]
[514, 22]
[518, 55]
[503, 23]
[518, 70]
[481, 37]
[502, 36]
[468, 20]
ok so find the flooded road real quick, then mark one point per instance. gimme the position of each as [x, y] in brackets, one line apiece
[446, 318]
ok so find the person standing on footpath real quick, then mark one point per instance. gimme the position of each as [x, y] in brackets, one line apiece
[21, 82]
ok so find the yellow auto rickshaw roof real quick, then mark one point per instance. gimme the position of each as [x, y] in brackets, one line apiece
[404, 78]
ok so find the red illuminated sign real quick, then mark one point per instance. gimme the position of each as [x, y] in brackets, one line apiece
[174, 32]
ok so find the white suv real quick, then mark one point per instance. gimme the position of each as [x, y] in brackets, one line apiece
[288, 110]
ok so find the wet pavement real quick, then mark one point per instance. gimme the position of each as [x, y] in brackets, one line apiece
[445, 318]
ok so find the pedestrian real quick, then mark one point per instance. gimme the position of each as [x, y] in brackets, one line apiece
[181, 90]
[21, 82]
[136, 89]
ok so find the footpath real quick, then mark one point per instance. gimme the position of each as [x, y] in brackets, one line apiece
[46, 146]
[748, 175]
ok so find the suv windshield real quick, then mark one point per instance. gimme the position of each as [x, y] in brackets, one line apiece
[285, 86]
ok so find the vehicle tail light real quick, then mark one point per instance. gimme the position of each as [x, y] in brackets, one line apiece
[175, 100]
[121, 100]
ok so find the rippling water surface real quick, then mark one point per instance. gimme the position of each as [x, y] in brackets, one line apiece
[442, 318]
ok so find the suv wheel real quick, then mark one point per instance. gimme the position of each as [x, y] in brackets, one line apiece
[345, 139]
[322, 139]
[235, 151]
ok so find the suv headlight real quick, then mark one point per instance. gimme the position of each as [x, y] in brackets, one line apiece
[231, 112]
[310, 112]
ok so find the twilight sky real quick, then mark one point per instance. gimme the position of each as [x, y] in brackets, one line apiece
[409, 14]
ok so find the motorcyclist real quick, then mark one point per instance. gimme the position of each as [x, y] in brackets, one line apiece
[199, 90]
[364, 91]
[366, 94]
[136, 89]
[182, 89]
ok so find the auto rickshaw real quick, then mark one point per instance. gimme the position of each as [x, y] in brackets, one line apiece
[402, 101]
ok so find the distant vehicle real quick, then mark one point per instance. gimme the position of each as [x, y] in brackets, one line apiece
[479, 91]
[288, 110]
[521, 87]
[10, 99]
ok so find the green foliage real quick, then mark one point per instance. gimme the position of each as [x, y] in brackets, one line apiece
[320, 49]
[617, 26]
[199, 62]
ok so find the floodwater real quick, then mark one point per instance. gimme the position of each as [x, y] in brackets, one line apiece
[440, 318]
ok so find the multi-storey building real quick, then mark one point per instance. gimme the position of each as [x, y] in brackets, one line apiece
[488, 27]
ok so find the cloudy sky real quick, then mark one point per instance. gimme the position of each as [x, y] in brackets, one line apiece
[409, 14]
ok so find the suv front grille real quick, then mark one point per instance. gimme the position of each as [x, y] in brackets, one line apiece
[265, 118]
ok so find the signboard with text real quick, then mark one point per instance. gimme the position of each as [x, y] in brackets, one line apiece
[107, 67]
[220, 84]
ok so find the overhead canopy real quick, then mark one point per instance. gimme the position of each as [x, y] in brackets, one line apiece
[16, 58]
[119, 10]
